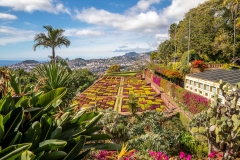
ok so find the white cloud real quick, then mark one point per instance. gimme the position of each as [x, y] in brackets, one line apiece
[83, 32]
[140, 17]
[7, 16]
[142, 21]
[35, 5]
[137, 49]
[14, 35]
[178, 8]
[142, 5]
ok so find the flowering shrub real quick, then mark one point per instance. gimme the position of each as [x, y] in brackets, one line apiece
[184, 156]
[195, 103]
[107, 155]
[198, 64]
[157, 80]
[170, 73]
[215, 155]
[158, 155]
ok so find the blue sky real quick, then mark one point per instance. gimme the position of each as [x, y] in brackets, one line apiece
[96, 28]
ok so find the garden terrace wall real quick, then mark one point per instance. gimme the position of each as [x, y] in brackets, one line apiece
[195, 103]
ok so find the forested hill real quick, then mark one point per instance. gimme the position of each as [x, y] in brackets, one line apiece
[211, 33]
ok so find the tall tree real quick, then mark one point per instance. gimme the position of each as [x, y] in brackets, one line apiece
[53, 39]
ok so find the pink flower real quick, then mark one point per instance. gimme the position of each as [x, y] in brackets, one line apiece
[220, 155]
[189, 157]
[182, 155]
[213, 154]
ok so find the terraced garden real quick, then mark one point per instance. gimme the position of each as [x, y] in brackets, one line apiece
[113, 91]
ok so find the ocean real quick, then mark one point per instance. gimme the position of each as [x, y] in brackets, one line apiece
[8, 62]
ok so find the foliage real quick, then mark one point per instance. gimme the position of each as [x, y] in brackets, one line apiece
[220, 123]
[171, 74]
[30, 125]
[78, 81]
[194, 103]
[132, 103]
[148, 131]
[53, 39]
[230, 66]
[114, 68]
[52, 75]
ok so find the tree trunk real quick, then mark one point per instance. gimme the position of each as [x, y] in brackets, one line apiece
[53, 53]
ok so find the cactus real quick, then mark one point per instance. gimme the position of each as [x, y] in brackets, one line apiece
[221, 122]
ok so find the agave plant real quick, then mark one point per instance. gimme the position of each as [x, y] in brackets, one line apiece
[52, 75]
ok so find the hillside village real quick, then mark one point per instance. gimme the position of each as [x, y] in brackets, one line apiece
[128, 62]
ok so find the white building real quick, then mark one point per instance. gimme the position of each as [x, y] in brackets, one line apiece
[207, 83]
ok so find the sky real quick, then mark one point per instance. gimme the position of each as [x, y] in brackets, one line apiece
[96, 28]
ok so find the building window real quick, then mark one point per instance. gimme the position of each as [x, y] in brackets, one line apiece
[201, 85]
[214, 89]
[190, 88]
[188, 81]
[196, 84]
[206, 94]
[195, 90]
[192, 82]
[220, 92]
[207, 87]
[200, 92]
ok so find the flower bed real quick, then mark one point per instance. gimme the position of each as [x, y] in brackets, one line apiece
[101, 102]
[194, 103]
[144, 103]
[157, 79]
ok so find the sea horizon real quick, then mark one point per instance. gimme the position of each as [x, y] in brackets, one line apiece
[12, 62]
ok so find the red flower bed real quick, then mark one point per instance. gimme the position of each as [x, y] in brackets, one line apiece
[198, 64]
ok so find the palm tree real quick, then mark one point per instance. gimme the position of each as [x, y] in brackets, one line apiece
[54, 38]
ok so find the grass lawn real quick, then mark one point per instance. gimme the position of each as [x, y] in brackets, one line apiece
[121, 74]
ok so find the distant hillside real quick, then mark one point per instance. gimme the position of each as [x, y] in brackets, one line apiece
[129, 61]
[29, 61]
[131, 54]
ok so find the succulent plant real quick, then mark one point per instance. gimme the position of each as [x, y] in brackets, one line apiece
[221, 122]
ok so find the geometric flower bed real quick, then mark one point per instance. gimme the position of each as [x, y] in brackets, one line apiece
[105, 91]
[101, 102]
[144, 93]
[107, 86]
[144, 103]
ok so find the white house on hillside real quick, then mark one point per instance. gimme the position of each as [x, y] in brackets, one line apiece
[207, 83]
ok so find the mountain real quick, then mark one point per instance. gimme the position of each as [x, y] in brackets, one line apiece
[128, 61]
[131, 54]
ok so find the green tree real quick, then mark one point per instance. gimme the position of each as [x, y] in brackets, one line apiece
[114, 68]
[132, 103]
[53, 39]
